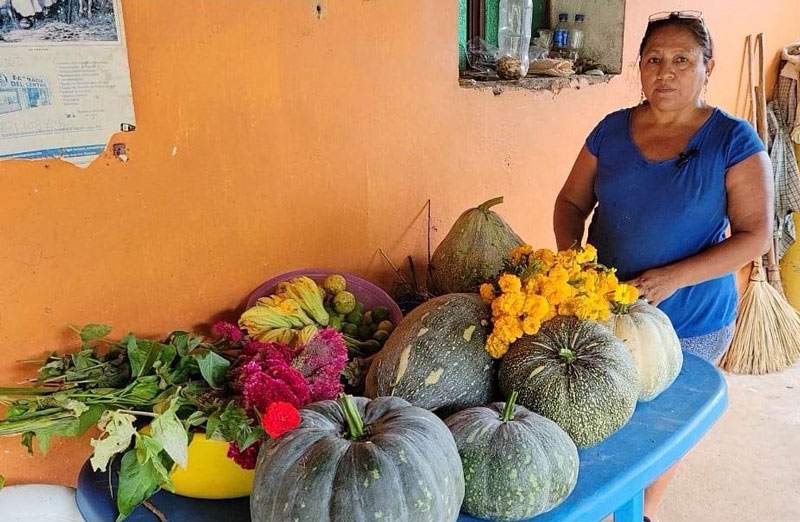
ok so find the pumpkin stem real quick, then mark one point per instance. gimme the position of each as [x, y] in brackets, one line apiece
[567, 354]
[508, 411]
[354, 422]
[486, 205]
[619, 309]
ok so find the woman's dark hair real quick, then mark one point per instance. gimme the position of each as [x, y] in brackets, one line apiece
[695, 26]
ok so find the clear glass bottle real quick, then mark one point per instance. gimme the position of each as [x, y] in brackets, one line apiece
[576, 38]
[514, 31]
[561, 35]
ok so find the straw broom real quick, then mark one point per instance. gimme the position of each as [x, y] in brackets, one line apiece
[767, 334]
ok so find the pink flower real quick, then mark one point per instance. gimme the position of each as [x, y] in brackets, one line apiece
[245, 459]
[321, 362]
[276, 382]
[228, 330]
[256, 350]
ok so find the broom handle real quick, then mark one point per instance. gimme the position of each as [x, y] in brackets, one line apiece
[756, 269]
[751, 82]
[773, 269]
[761, 90]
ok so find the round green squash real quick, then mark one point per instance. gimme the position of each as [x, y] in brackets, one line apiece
[577, 374]
[517, 464]
[473, 251]
[357, 461]
[653, 343]
[435, 357]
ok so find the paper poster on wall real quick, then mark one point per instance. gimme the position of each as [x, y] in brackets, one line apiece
[64, 78]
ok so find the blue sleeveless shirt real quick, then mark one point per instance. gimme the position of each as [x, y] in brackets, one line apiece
[655, 213]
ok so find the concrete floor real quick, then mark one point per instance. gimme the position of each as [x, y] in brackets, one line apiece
[747, 469]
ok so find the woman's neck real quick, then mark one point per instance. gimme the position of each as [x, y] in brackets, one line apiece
[683, 116]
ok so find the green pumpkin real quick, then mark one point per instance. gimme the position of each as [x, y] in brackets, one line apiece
[357, 461]
[435, 357]
[473, 251]
[576, 373]
[517, 464]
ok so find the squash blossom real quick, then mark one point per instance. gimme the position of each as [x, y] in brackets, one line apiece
[267, 317]
[305, 292]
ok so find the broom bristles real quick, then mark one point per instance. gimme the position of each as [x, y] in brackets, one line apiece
[767, 335]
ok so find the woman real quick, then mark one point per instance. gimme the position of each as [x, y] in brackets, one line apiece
[665, 180]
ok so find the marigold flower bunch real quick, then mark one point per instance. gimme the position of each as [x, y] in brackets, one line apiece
[537, 285]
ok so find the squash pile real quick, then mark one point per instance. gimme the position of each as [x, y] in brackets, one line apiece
[555, 334]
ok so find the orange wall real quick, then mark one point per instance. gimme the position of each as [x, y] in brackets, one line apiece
[298, 142]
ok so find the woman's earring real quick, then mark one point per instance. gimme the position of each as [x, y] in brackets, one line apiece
[642, 98]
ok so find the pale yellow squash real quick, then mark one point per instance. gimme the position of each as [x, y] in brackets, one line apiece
[649, 336]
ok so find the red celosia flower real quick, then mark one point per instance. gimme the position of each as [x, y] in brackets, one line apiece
[245, 459]
[321, 362]
[228, 330]
[275, 381]
[256, 350]
[280, 417]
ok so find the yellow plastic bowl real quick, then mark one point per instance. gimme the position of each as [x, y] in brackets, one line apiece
[209, 473]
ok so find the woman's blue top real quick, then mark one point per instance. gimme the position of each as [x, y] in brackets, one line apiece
[654, 213]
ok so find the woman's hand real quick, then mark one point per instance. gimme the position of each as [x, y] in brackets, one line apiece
[657, 284]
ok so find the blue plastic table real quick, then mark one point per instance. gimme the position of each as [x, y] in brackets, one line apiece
[612, 475]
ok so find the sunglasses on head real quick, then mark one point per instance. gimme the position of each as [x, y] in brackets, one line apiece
[681, 15]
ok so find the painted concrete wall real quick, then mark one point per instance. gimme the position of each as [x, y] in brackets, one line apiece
[274, 137]
[603, 24]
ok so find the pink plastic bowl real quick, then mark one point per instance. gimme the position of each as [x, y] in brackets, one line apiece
[368, 293]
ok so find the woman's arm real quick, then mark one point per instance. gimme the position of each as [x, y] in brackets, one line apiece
[750, 209]
[575, 201]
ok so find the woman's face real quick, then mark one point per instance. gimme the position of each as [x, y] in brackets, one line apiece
[673, 69]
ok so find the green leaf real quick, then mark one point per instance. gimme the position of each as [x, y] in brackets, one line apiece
[169, 431]
[92, 332]
[43, 438]
[150, 452]
[118, 428]
[84, 417]
[146, 388]
[180, 340]
[87, 419]
[236, 426]
[186, 368]
[2, 482]
[213, 367]
[27, 441]
[256, 434]
[184, 342]
[137, 483]
[197, 418]
[212, 426]
[167, 355]
[145, 353]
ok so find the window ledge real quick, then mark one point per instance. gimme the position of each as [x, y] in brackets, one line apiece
[472, 80]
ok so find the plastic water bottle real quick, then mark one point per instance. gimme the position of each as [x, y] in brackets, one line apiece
[514, 30]
[576, 37]
[561, 35]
